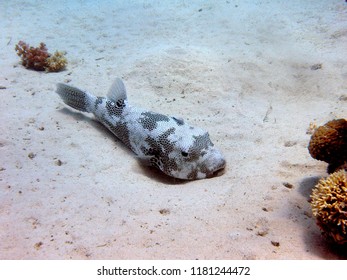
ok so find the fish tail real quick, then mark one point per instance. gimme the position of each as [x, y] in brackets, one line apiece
[76, 98]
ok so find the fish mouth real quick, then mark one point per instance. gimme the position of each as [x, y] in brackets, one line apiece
[219, 170]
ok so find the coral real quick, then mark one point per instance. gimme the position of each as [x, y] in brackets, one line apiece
[39, 58]
[329, 206]
[329, 143]
[56, 62]
[32, 58]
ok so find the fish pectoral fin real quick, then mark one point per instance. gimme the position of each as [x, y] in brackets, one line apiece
[151, 160]
[146, 160]
[117, 91]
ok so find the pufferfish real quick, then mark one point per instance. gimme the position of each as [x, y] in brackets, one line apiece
[165, 142]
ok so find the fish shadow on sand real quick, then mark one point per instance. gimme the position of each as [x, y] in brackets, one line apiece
[315, 242]
[148, 171]
[158, 176]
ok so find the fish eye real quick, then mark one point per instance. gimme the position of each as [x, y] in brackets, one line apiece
[184, 154]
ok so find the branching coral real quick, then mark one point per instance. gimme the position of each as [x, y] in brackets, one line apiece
[329, 206]
[56, 62]
[39, 58]
[32, 58]
[329, 143]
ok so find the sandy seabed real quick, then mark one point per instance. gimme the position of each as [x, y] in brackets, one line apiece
[255, 74]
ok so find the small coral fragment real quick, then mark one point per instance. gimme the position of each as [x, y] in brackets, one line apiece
[39, 58]
[329, 206]
[312, 127]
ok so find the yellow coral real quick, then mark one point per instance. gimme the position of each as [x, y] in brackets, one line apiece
[329, 206]
[56, 62]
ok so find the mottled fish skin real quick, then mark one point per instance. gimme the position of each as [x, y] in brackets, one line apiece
[168, 143]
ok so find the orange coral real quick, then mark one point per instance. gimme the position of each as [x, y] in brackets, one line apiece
[32, 58]
[39, 58]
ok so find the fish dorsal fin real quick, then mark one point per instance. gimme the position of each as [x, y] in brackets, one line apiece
[117, 91]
